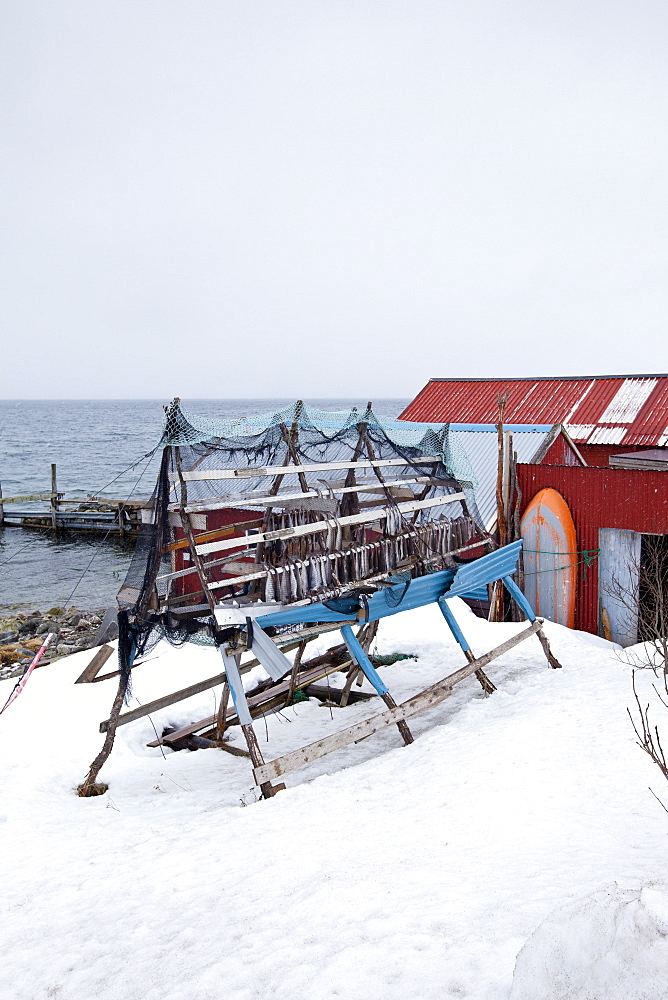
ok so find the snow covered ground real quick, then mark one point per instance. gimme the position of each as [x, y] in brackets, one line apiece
[518, 822]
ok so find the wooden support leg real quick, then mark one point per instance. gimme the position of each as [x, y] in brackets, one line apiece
[453, 625]
[551, 658]
[486, 684]
[244, 716]
[221, 721]
[372, 675]
[365, 637]
[522, 603]
[294, 672]
[352, 674]
[367, 634]
[90, 784]
[257, 760]
[402, 725]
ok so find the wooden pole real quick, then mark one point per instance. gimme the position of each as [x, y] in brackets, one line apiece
[221, 721]
[188, 530]
[2, 509]
[496, 611]
[54, 498]
[501, 526]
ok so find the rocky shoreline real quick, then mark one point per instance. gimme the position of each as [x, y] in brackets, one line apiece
[21, 635]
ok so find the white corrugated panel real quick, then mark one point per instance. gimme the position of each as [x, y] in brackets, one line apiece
[580, 432]
[608, 435]
[618, 575]
[627, 402]
[482, 451]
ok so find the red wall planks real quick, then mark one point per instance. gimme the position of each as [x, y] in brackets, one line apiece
[600, 498]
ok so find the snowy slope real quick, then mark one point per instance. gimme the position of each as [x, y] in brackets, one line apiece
[382, 872]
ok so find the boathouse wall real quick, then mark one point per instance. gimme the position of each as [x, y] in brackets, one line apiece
[628, 499]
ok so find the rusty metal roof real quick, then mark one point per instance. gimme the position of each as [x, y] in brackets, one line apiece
[596, 409]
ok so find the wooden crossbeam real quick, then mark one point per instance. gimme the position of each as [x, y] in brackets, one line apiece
[287, 642]
[414, 532]
[259, 703]
[260, 574]
[29, 497]
[260, 497]
[99, 659]
[319, 527]
[427, 699]
[283, 470]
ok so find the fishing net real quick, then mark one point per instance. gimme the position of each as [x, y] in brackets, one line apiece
[336, 500]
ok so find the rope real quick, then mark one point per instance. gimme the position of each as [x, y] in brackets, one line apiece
[95, 553]
[589, 556]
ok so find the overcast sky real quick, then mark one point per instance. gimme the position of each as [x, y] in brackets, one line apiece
[209, 198]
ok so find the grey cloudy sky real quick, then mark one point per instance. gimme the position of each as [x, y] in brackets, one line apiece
[282, 198]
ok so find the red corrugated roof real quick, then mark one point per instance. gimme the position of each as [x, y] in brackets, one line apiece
[598, 409]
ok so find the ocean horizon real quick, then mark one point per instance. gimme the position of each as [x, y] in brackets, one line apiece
[102, 447]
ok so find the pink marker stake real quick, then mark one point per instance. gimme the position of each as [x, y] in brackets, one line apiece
[24, 680]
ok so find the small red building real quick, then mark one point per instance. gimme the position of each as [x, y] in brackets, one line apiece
[603, 414]
[617, 510]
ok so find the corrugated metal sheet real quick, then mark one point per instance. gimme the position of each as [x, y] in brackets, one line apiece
[630, 499]
[628, 401]
[481, 448]
[618, 572]
[607, 435]
[621, 410]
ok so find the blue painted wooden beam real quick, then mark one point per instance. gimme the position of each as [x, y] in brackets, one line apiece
[453, 624]
[455, 582]
[362, 660]
[519, 597]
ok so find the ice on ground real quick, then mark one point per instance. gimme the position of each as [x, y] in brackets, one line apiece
[383, 872]
[612, 943]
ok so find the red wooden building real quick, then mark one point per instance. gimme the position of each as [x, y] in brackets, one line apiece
[616, 510]
[603, 414]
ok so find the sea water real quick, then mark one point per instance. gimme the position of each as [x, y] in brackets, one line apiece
[100, 447]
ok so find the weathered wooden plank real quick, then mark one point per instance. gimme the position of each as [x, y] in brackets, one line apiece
[164, 702]
[227, 529]
[260, 574]
[282, 470]
[319, 527]
[287, 641]
[95, 665]
[27, 497]
[259, 703]
[260, 497]
[427, 699]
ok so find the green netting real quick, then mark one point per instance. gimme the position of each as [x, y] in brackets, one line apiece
[232, 463]
[241, 434]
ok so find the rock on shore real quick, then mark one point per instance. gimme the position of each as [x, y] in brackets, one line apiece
[21, 635]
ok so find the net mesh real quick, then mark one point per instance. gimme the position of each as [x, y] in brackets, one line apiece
[332, 528]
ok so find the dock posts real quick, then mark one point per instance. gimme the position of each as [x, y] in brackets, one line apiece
[2, 509]
[54, 498]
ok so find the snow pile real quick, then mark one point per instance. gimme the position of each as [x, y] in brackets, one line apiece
[383, 872]
[611, 944]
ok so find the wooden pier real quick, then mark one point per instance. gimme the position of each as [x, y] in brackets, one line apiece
[92, 515]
